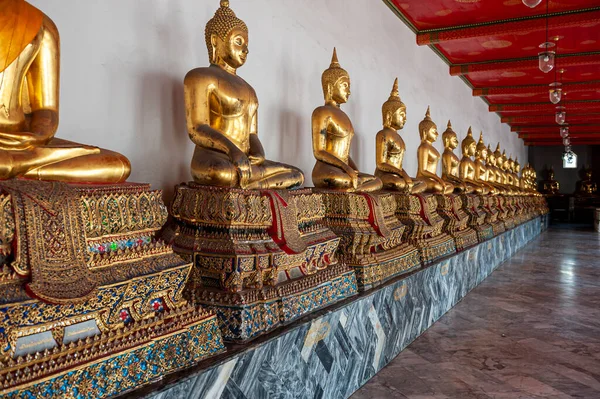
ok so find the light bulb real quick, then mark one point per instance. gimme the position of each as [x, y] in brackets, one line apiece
[546, 61]
[532, 3]
[555, 92]
[561, 115]
[564, 132]
[566, 141]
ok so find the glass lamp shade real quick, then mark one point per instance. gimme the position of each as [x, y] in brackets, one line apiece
[546, 61]
[555, 92]
[564, 132]
[532, 3]
[567, 141]
[561, 115]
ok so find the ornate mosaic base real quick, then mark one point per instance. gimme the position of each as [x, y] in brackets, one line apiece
[456, 221]
[370, 236]
[424, 226]
[332, 354]
[242, 319]
[131, 368]
[111, 290]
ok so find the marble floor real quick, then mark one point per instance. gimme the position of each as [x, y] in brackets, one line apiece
[530, 330]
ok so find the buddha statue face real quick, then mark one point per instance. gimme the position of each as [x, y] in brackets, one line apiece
[234, 49]
[588, 174]
[481, 153]
[491, 158]
[551, 174]
[226, 38]
[340, 92]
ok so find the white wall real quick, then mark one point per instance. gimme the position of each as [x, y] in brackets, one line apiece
[123, 63]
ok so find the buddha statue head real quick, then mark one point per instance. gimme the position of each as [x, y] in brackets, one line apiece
[588, 174]
[468, 144]
[336, 82]
[394, 110]
[505, 164]
[551, 173]
[517, 166]
[449, 138]
[428, 129]
[498, 156]
[511, 164]
[491, 159]
[481, 149]
[226, 38]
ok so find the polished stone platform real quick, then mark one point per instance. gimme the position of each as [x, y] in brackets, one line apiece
[531, 330]
[333, 352]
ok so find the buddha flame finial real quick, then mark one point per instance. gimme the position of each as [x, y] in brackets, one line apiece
[428, 113]
[334, 60]
[394, 94]
[470, 132]
[449, 126]
[224, 3]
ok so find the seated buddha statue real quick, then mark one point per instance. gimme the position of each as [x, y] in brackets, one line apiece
[480, 168]
[506, 169]
[467, 165]
[500, 173]
[222, 118]
[492, 171]
[516, 169]
[29, 100]
[390, 148]
[587, 186]
[332, 134]
[550, 186]
[428, 158]
[451, 163]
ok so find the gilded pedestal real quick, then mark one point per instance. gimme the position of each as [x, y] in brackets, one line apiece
[112, 315]
[262, 258]
[489, 206]
[424, 226]
[504, 214]
[370, 236]
[456, 221]
[471, 205]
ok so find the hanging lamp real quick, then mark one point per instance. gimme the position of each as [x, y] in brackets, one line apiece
[546, 57]
[561, 115]
[532, 3]
[556, 89]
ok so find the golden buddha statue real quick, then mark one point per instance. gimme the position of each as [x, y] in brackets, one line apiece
[467, 166]
[550, 186]
[29, 100]
[500, 174]
[222, 118]
[480, 169]
[451, 163]
[390, 148]
[587, 186]
[332, 134]
[516, 169]
[506, 169]
[428, 158]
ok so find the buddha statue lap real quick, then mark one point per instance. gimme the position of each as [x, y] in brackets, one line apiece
[258, 242]
[85, 281]
[365, 221]
[418, 211]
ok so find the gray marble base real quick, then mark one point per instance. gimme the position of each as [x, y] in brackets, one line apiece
[333, 353]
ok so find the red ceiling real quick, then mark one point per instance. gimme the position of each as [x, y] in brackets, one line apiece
[493, 46]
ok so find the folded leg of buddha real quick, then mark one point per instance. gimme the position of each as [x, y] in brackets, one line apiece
[326, 175]
[213, 168]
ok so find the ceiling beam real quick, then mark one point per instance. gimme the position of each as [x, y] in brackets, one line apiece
[559, 143]
[555, 21]
[523, 64]
[556, 136]
[535, 89]
[555, 127]
[547, 107]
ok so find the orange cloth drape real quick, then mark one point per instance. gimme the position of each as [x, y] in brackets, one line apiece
[20, 22]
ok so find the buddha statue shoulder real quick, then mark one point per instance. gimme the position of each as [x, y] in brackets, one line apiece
[467, 165]
[29, 106]
[390, 148]
[428, 158]
[490, 164]
[332, 134]
[451, 163]
[222, 115]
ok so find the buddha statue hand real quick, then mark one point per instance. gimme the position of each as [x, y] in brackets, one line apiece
[243, 165]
